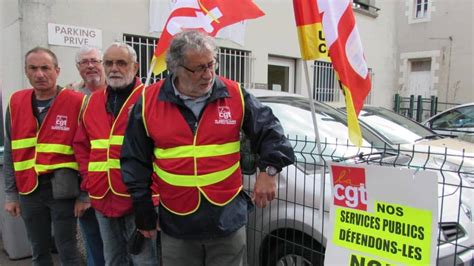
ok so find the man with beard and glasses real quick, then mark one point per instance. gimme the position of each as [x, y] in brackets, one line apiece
[89, 64]
[184, 135]
[98, 144]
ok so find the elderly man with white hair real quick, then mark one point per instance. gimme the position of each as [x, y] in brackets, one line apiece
[98, 144]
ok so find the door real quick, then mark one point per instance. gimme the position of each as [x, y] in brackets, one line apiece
[419, 79]
[281, 74]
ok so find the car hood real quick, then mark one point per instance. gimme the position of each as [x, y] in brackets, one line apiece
[450, 143]
[431, 154]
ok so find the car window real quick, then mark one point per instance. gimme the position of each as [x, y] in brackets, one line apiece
[462, 117]
[297, 122]
[393, 127]
[295, 117]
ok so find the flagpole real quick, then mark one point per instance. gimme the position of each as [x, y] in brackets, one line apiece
[148, 76]
[318, 141]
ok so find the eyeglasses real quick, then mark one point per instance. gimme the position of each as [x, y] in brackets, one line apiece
[203, 68]
[86, 62]
[118, 63]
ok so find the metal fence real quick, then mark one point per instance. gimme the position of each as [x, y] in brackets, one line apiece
[419, 108]
[291, 230]
[236, 65]
[233, 63]
[416, 108]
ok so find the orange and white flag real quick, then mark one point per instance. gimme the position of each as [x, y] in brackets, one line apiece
[341, 37]
[206, 15]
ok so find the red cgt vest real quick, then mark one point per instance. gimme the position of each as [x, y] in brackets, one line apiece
[106, 144]
[37, 151]
[188, 165]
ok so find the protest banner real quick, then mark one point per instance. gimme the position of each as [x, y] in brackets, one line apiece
[382, 216]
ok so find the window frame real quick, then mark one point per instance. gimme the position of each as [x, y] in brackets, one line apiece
[413, 13]
[366, 7]
[421, 9]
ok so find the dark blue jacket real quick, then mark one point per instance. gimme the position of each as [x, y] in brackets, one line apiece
[209, 221]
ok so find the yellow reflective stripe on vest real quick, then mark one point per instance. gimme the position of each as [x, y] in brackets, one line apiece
[97, 167]
[198, 151]
[56, 148]
[103, 166]
[114, 163]
[116, 140]
[195, 180]
[24, 165]
[104, 143]
[100, 144]
[43, 167]
[23, 143]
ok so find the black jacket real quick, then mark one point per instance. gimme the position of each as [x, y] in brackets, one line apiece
[260, 126]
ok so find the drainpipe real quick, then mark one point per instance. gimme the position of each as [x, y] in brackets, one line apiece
[449, 66]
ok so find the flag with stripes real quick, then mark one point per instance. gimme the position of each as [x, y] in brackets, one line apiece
[341, 38]
[206, 15]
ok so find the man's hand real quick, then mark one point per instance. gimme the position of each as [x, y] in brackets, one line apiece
[264, 190]
[150, 233]
[80, 207]
[13, 208]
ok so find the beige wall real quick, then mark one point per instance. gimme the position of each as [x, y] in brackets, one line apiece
[11, 72]
[454, 70]
[379, 40]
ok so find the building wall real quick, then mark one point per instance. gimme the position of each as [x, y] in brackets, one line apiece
[11, 71]
[379, 40]
[447, 36]
[272, 35]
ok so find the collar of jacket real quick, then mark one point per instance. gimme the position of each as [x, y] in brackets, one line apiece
[219, 90]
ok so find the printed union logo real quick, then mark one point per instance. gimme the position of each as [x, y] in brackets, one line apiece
[224, 112]
[225, 116]
[61, 123]
[349, 187]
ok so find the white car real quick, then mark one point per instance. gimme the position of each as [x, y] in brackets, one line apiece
[448, 153]
[457, 121]
[291, 231]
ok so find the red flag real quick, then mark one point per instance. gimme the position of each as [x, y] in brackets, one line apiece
[346, 53]
[207, 15]
[310, 30]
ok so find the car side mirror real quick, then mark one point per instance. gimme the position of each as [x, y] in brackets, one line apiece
[248, 159]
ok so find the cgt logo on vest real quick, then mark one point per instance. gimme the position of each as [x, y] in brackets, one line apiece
[61, 123]
[225, 117]
[349, 187]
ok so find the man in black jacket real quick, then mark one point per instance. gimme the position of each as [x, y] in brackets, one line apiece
[183, 135]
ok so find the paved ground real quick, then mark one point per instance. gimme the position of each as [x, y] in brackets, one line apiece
[18, 232]
[5, 261]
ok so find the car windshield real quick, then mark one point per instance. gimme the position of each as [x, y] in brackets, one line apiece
[462, 117]
[395, 128]
[295, 116]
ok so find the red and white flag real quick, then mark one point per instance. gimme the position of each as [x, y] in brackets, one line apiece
[206, 15]
[342, 38]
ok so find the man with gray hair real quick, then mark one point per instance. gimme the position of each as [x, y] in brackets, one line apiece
[184, 134]
[40, 125]
[89, 64]
[98, 144]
